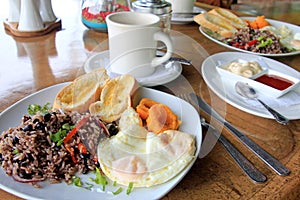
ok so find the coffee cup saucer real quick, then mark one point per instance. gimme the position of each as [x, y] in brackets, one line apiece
[164, 73]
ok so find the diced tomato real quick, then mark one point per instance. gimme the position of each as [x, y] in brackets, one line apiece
[236, 44]
[252, 42]
[75, 129]
[95, 159]
[71, 151]
[82, 149]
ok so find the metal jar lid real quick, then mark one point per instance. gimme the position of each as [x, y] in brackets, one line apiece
[157, 7]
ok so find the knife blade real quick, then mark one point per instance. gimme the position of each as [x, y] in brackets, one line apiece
[268, 159]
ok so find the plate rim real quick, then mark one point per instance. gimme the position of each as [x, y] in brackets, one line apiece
[293, 53]
[178, 20]
[222, 91]
[166, 187]
[88, 69]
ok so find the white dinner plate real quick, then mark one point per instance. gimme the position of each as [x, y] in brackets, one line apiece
[185, 19]
[162, 74]
[11, 117]
[226, 91]
[295, 29]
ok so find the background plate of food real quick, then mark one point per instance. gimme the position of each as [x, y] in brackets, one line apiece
[255, 35]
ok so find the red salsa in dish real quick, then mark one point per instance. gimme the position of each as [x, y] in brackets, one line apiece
[274, 81]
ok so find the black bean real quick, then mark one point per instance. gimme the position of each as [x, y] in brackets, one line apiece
[26, 118]
[24, 175]
[29, 157]
[22, 163]
[112, 129]
[40, 126]
[57, 148]
[97, 164]
[85, 155]
[15, 140]
[47, 117]
[85, 170]
[28, 127]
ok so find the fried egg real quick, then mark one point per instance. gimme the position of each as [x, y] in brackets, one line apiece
[144, 158]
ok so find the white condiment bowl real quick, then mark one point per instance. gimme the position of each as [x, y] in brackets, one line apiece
[262, 89]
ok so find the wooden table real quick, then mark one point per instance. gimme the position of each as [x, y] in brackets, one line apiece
[28, 65]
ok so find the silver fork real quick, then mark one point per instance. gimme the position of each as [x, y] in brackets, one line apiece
[248, 168]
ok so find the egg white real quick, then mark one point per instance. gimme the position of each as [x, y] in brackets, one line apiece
[142, 157]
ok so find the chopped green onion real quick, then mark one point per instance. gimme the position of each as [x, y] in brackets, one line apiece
[67, 126]
[59, 136]
[45, 108]
[89, 186]
[118, 191]
[76, 181]
[265, 43]
[101, 180]
[260, 38]
[16, 151]
[129, 189]
[115, 183]
[35, 108]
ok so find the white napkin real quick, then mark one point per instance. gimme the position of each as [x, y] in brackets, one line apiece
[289, 99]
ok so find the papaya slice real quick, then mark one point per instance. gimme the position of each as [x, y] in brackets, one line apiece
[158, 117]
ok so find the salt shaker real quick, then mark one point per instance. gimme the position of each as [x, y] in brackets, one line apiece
[14, 10]
[30, 18]
[46, 11]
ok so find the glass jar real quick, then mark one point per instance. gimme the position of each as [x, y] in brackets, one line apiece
[161, 8]
[94, 12]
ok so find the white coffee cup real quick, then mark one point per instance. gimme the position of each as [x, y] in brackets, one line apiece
[133, 38]
[182, 6]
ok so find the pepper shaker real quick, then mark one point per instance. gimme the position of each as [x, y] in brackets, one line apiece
[14, 10]
[30, 18]
[46, 11]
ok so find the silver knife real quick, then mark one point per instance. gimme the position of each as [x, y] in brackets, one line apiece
[249, 169]
[261, 153]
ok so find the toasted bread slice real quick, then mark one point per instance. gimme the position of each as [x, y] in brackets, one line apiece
[215, 24]
[233, 19]
[84, 90]
[115, 98]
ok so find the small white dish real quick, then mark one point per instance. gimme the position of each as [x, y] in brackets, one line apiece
[162, 74]
[261, 88]
[221, 68]
[186, 18]
[288, 104]
[11, 117]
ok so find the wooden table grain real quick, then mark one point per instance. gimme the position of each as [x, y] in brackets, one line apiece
[31, 64]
